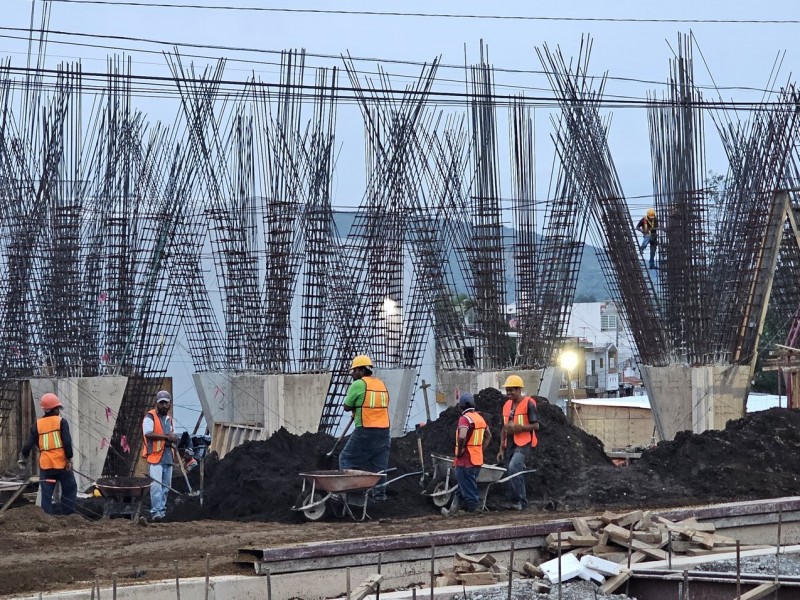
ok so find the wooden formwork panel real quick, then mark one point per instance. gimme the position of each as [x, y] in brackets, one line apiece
[226, 436]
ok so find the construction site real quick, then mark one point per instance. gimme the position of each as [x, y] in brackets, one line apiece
[214, 230]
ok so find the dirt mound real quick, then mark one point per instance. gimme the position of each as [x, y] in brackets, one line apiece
[32, 518]
[260, 481]
[753, 457]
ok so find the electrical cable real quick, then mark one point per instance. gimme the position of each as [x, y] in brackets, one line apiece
[433, 15]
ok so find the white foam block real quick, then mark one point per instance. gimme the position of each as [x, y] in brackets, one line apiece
[570, 568]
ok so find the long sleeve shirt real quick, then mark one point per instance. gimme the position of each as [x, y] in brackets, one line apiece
[33, 440]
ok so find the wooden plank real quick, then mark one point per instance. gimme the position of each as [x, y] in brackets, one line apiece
[581, 526]
[366, 587]
[477, 578]
[616, 581]
[13, 497]
[760, 591]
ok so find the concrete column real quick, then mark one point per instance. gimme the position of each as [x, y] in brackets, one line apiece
[91, 405]
[695, 399]
[475, 381]
[273, 401]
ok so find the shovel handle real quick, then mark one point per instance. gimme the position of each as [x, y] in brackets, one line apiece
[341, 437]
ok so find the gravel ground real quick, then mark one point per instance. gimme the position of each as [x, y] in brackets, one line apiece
[759, 565]
[523, 590]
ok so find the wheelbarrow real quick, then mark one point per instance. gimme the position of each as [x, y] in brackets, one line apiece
[123, 495]
[443, 485]
[324, 491]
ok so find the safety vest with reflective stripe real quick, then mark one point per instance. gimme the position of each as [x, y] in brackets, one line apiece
[154, 449]
[521, 418]
[474, 438]
[375, 406]
[51, 447]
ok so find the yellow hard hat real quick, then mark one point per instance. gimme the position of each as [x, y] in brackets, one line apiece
[651, 212]
[514, 381]
[362, 360]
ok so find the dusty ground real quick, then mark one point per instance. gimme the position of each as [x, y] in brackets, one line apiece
[248, 495]
[42, 553]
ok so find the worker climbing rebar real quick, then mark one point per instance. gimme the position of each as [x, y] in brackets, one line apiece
[648, 225]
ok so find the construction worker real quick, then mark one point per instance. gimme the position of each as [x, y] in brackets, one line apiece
[520, 424]
[159, 440]
[367, 449]
[472, 438]
[51, 436]
[648, 225]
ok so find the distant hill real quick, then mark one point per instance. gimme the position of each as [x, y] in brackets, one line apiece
[591, 282]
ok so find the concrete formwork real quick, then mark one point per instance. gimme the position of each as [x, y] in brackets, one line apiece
[399, 382]
[449, 382]
[293, 401]
[551, 383]
[91, 405]
[695, 398]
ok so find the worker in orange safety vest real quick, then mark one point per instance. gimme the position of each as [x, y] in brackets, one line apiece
[520, 424]
[159, 440]
[51, 436]
[367, 398]
[472, 439]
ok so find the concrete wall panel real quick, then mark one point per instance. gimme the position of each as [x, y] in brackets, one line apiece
[91, 405]
[300, 398]
[695, 398]
[399, 382]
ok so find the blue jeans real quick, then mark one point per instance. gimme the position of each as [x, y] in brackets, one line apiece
[158, 493]
[515, 462]
[367, 449]
[467, 478]
[69, 490]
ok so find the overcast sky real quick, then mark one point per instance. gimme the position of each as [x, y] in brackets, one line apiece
[635, 55]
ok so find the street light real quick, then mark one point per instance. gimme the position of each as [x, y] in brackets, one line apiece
[568, 362]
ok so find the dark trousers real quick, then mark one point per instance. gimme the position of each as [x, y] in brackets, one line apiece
[69, 490]
[367, 450]
[467, 478]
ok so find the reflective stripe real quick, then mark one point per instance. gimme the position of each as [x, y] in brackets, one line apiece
[384, 399]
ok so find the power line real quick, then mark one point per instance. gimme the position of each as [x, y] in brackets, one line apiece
[371, 13]
[336, 57]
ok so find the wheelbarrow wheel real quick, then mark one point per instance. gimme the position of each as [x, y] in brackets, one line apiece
[314, 513]
[444, 499]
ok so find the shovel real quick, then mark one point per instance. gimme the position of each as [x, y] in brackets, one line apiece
[341, 437]
[185, 476]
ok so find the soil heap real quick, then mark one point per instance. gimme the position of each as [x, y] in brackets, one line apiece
[751, 458]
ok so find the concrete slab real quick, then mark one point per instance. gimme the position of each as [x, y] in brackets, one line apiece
[91, 406]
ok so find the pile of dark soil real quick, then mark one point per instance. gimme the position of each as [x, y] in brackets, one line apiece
[754, 457]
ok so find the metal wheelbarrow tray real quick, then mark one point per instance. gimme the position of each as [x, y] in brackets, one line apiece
[123, 495]
[335, 485]
[442, 491]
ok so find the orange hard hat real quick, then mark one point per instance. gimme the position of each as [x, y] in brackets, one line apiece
[651, 212]
[50, 401]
